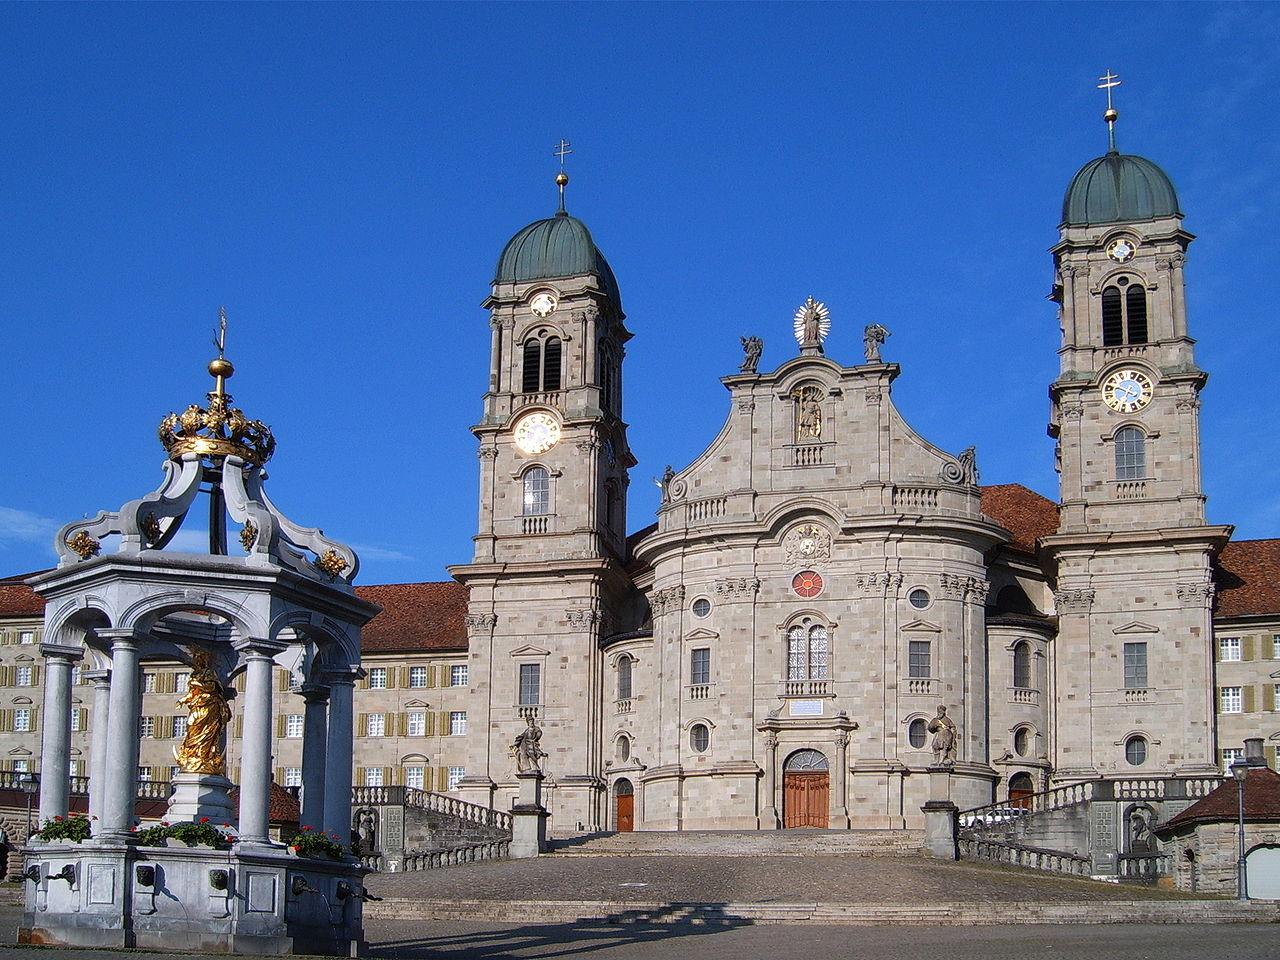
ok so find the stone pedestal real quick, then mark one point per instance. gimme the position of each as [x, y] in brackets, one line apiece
[528, 818]
[197, 795]
[941, 817]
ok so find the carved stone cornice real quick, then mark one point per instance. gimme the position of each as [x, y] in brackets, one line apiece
[746, 405]
[487, 453]
[1171, 262]
[1196, 594]
[667, 600]
[877, 584]
[737, 588]
[1073, 601]
[977, 589]
[953, 586]
[873, 397]
[1072, 411]
[1188, 403]
[480, 622]
[579, 619]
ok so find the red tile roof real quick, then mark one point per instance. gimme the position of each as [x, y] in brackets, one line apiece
[1248, 579]
[1021, 511]
[19, 600]
[282, 808]
[416, 616]
[1261, 802]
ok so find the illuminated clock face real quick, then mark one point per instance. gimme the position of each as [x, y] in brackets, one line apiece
[1127, 391]
[537, 433]
[1121, 250]
[807, 583]
[542, 305]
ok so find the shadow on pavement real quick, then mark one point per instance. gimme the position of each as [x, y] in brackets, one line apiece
[650, 926]
[578, 840]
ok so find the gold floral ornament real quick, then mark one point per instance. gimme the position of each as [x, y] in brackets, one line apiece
[219, 429]
[248, 535]
[332, 563]
[201, 750]
[85, 545]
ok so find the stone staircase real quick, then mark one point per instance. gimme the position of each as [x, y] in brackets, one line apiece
[743, 843]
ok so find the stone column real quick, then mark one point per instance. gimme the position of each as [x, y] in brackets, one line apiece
[55, 744]
[839, 814]
[101, 680]
[255, 757]
[120, 783]
[769, 810]
[314, 754]
[339, 747]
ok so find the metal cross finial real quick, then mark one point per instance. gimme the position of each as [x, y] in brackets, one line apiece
[220, 334]
[1109, 82]
[562, 150]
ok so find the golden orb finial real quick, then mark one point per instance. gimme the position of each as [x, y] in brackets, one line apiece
[221, 367]
[562, 178]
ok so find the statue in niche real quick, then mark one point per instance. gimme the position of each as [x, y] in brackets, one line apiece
[1140, 839]
[808, 413]
[527, 748]
[943, 729]
[752, 347]
[208, 714]
[367, 830]
[873, 337]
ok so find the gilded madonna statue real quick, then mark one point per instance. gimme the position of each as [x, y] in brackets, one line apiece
[201, 750]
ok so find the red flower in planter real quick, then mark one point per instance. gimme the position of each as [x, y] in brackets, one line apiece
[57, 818]
[204, 819]
[305, 829]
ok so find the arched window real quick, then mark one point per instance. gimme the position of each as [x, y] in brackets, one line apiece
[537, 492]
[1022, 665]
[1135, 751]
[609, 376]
[1124, 313]
[808, 651]
[1112, 317]
[1131, 454]
[551, 365]
[1135, 308]
[1022, 741]
[624, 678]
[532, 366]
[917, 732]
[622, 751]
[699, 737]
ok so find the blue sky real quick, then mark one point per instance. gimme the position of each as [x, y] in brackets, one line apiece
[344, 177]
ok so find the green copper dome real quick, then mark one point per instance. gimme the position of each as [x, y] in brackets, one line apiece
[1116, 189]
[555, 248]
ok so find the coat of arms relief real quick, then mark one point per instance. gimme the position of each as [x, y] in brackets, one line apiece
[806, 544]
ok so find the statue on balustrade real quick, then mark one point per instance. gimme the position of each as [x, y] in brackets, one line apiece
[208, 714]
[527, 748]
[943, 729]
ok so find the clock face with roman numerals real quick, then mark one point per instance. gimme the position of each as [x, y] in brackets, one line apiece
[1127, 391]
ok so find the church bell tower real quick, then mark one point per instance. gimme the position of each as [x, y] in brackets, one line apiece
[551, 535]
[1132, 555]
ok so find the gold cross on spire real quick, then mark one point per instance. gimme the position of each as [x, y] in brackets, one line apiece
[220, 333]
[561, 151]
[1109, 82]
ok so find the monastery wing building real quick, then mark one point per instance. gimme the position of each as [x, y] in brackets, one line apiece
[828, 603]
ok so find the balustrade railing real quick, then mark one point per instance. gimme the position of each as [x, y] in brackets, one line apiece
[623, 705]
[699, 511]
[535, 524]
[700, 691]
[1136, 695]
[806, 688]
[1018, 855]
[921, 686]
[914, 499]
[1143, 866]
[452, 806]
[552, 398]
[1057, 798]
[1024, 695]
[472, 853]
[1131, 489]
[808, 455]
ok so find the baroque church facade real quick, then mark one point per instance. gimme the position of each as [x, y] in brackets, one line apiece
[827, 598]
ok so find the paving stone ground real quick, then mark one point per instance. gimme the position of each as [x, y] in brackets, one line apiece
[825, 879]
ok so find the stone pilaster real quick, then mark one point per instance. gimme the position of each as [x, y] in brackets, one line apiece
[55, 750]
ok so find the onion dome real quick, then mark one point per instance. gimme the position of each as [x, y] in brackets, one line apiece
[556, 248]
[1118, 188]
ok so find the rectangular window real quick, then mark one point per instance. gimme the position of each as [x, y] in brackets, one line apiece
[144, 774]
[27, 636]
[1228, 649]
[77, 676]
[73, 768]
[415, 777]
[181, 681]
[148, 683]
[459, 675]
[22, 766]
[293, 776]
[21, 721]
[537, 492]
[179, 727]
[1131, 454]
[1275, 647]
[1135, 666]
[919, 659]
[1232, 700]
[417, 677]
[458, 723]
[417, 723]
[147, 727]
[173, 774]
[375, 725]
[455, 776]
[75, 719]
[1229, 756]
[293, 725]
[373, 777]
[700, 666]
[378, 678]
[530, 684]
[22, 676]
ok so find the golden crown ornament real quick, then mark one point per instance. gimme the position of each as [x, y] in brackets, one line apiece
[218, 430]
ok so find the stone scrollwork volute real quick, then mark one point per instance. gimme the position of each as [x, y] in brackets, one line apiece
[963, 470]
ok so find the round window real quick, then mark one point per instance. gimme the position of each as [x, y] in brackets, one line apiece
[1123, 282]
[702, 608]
[1021, 741]
[807, 583]
[1135, 751]
[919, 598]
[623, 752]
[699, 737]
[917, 732]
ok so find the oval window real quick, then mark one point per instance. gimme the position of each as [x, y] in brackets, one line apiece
[917, 733]
[919, 598]
[1135, 751]
[699, 737]
[1021, 741]
[623, 750]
